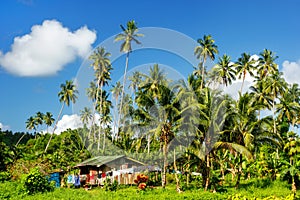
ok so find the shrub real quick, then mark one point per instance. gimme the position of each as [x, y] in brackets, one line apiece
[110, 186]
[4, 176]
[35, 182]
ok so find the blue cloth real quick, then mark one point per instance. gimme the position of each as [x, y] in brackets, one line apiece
[77, 180]
[70, 179]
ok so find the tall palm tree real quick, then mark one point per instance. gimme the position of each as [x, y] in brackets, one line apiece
[266, 63]
[104, 110]
[67, 95]
[206, 49]
[102, 68]
[223, 71]
[48, 119]
[245, 123]
[129, 34]
[244, 65]
[166, 118]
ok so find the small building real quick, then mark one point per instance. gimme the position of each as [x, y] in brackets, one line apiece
[112, 166]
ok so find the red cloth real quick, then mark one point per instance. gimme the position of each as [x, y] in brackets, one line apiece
[87, 178]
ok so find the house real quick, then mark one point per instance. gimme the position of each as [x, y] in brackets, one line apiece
[96, 168]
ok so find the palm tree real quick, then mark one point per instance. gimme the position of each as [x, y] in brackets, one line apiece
[104, 115]
[163, 117]
[67, 95]
[245, 122]
[86, 115]
[39, 117]
[266, 63]
[48, 119]
[129, 34]
[287, 108]
[223, 71]
[206, 49]
[105, 110]
[31, 123]
[262, 99]
[102, 68]
[292, 149]
[135, 81]
[154, 80]
[244, 65]
[275, 86]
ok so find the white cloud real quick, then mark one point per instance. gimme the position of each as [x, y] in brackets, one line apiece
[46, 49]
[4, 127]
[291, 71]
[68, 122]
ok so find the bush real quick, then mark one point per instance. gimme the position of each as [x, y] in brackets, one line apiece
[110, 186]
[4, 176]
[35, 182]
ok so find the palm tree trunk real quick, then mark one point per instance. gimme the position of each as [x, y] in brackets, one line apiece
[164, 178]
[202, 73]
[176, 177]
[207, 172]
[104, 136]
[273, 108]
[148, 144]
[239, 172]
[115, 122]
[100, 119]
[55, 126]
[122, 93]
[244, 77]
[294, 188]
[20, 139]
[188, 174]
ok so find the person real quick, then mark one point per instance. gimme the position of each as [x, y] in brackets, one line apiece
[77, 181]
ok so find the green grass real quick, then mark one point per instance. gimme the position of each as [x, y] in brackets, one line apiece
[251, 190]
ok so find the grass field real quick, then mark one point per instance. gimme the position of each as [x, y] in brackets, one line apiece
[248, 190]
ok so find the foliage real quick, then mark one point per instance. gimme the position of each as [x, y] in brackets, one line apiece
[241, 148]
[109, 185]
[35, 182]
[4, 176]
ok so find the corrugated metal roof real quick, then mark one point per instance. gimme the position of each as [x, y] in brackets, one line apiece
[99, 160]
[102, 160]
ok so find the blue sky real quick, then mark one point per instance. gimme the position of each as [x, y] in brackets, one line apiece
[237, 26]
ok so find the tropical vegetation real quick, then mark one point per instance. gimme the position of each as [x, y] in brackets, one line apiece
[238, 147]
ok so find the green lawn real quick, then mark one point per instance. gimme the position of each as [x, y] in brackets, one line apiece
[276, 190]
